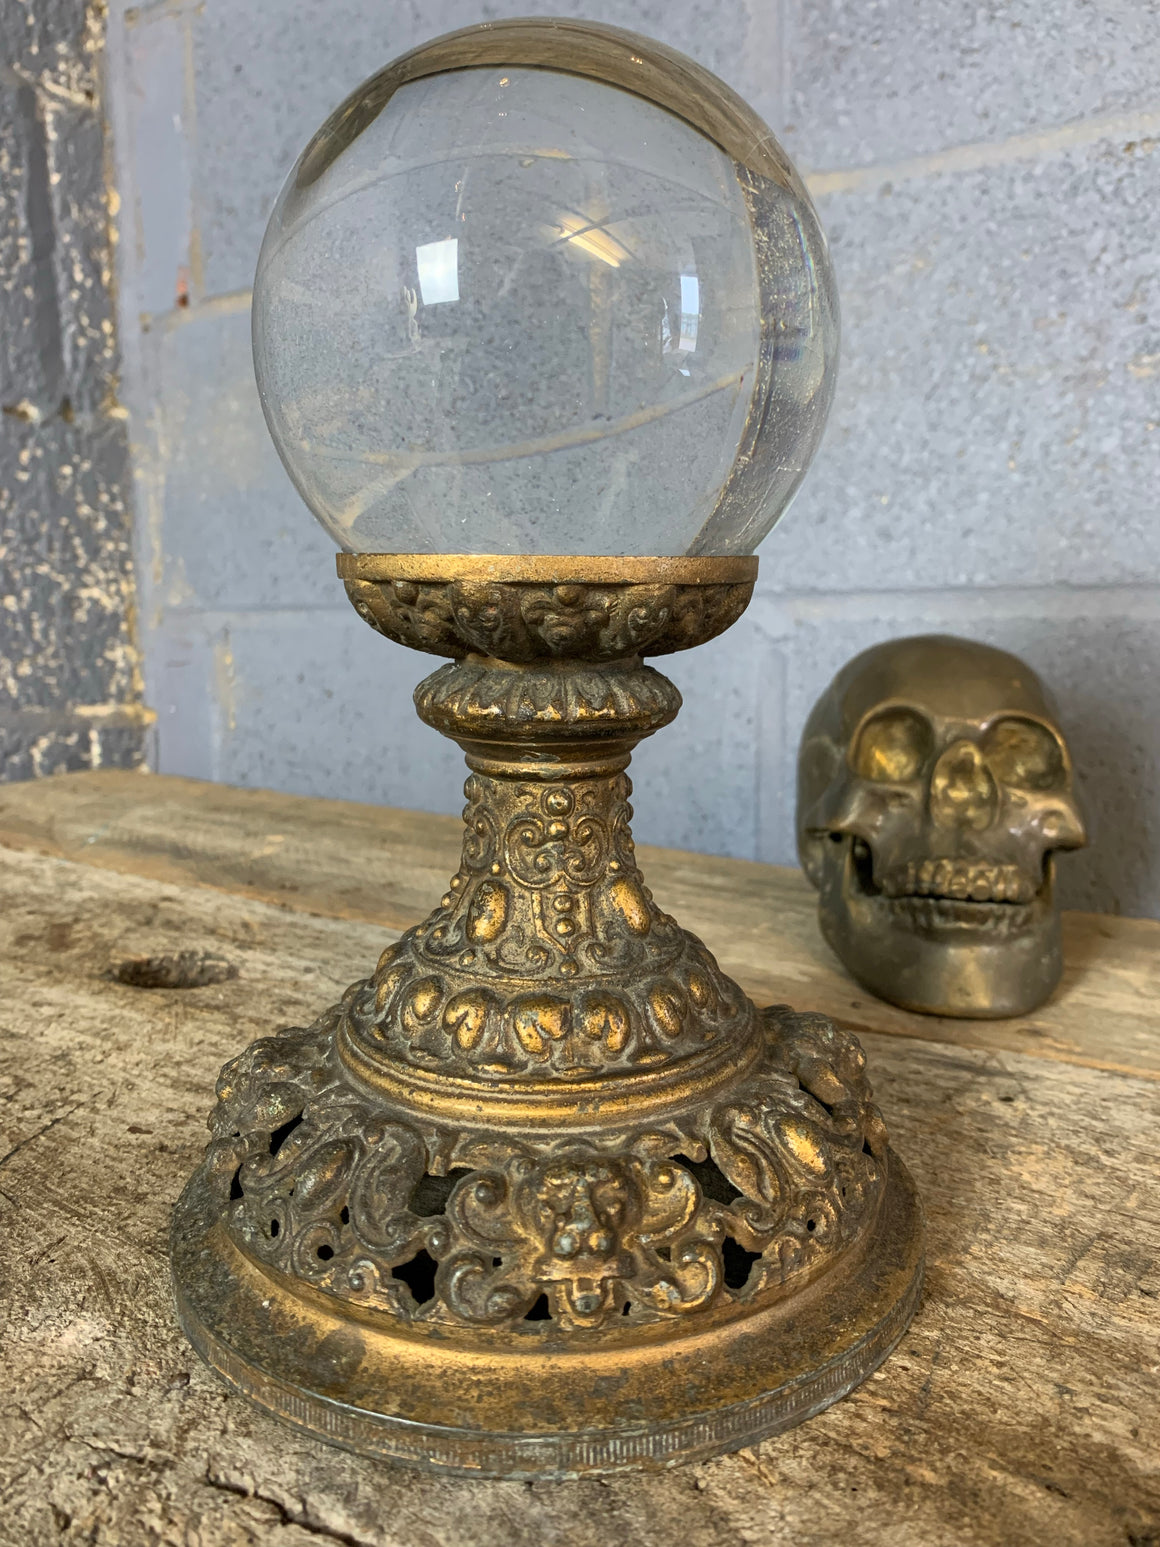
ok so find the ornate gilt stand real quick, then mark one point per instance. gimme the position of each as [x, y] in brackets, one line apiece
[546, 1194]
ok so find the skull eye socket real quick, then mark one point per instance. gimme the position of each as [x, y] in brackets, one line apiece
[1025, 754]
[893, 747]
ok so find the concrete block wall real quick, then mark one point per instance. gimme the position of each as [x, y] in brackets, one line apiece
[989, 179]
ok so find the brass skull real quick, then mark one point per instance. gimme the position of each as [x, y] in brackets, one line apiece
[934, 789]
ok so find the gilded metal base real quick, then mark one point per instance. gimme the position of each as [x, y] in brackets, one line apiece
[546, 1194]
[483, 1406]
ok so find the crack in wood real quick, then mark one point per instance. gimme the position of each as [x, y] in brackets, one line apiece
[39, 1133]
[300, 1518]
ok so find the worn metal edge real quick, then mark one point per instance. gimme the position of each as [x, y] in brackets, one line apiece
[563, 1455]
[548, 569]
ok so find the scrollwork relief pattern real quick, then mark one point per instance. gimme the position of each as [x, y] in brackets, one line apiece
[428, 1223]
[472, 698]
[531, 620]
[547, 954]
[546, 962]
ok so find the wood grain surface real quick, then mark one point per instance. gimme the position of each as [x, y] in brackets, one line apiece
[390, 867]
[1021, 1408]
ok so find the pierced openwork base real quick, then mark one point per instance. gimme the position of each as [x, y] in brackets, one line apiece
[546, 1193]
[542, 1307]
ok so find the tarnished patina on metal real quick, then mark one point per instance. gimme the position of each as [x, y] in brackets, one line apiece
[547, 608]
[546, 1194]
[934, 789]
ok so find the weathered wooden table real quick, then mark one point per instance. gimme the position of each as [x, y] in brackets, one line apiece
[1022, 1406]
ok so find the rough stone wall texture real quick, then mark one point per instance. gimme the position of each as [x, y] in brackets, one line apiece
[988, 175]
[70, 684]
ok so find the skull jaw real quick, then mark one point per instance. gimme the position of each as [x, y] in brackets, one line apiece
[966, 972]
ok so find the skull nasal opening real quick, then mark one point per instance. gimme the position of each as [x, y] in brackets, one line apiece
[963, 792]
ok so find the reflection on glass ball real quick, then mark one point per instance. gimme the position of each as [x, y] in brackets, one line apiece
[513, 309]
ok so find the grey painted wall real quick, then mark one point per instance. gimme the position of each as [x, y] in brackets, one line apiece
[70, 688]
[990, 178]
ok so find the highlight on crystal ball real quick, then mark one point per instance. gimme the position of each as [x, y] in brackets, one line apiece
[510, 307]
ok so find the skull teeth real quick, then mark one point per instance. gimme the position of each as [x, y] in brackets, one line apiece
[961, 881]
[935, 913]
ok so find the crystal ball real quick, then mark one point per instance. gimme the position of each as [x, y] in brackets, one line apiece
[545, 288]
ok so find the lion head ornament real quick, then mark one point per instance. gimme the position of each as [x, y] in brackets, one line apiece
[934, 790]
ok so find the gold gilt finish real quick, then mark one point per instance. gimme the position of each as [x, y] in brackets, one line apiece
[550, 569]
[546, 1193]
[934, 790]
[523, 610]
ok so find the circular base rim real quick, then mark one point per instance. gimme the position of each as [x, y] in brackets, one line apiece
[795, 1356]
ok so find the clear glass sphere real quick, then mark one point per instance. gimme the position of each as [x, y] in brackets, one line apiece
[513, 309]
